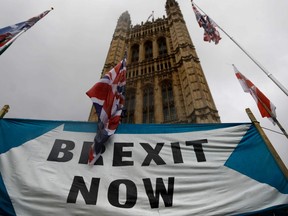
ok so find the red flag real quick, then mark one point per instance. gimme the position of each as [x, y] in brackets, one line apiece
[108, 99]
[265, 106]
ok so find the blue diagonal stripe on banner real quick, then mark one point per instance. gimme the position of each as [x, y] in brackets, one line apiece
[252, 158]
[15, 132]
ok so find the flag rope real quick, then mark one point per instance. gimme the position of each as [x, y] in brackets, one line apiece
[273, 131]
[270, 75]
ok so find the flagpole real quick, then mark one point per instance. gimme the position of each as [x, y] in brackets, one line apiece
[4, 110]
[152, 15]
[256, 62]
[267, 142]
[273, 117]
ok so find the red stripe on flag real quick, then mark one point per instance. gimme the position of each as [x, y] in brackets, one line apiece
[265, 106]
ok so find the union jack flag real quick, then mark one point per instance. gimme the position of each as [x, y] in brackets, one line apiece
[10, 33]
[209, 26]
[199, 17]
[108, 99]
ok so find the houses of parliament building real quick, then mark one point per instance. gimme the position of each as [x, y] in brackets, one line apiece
[165, 80]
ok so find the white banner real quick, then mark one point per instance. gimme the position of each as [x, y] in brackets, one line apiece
[200, 169]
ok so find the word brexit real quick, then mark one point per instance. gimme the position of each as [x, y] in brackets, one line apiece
[62, 151]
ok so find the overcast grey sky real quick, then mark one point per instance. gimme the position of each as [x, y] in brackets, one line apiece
[46, 72]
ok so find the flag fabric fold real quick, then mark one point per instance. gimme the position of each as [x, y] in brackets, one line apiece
[209, 26]
[10, 33]
[108, 99]
[265, 106]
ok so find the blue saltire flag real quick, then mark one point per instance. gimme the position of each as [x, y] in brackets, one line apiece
[173, 169]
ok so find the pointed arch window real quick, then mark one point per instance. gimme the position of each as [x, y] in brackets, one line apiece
[130, 106]
[148, 105]
[148, 50]
[162, 47]
[135, 53]
[169, 110]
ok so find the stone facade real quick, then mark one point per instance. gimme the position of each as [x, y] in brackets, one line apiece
[165, 80]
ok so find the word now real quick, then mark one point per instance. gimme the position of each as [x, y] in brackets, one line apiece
[62, 151]
[90, 196]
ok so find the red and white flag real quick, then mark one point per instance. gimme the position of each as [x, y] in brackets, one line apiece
[265, 106]
[108, 99]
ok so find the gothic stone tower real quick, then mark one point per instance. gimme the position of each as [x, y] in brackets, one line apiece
[165, 81]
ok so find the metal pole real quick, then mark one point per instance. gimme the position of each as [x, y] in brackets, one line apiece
[256, 62]
[4, 110]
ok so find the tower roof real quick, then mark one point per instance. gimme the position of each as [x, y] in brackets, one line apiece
[171, 3]
[125, 17]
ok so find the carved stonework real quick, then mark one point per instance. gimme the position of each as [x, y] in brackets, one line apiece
[162, 57]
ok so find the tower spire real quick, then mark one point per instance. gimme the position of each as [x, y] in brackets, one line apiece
[118, 44]
[171, 3]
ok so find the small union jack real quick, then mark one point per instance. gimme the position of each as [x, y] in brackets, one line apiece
[209, 26]
[10, 33]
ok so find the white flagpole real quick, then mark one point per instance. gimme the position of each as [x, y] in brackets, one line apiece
[152, 15]
[256, 62]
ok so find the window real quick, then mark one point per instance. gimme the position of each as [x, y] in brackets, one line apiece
[130, 106]
[162, 46]
[169, 110]
[135, 53]
[148, 104]
[148, 50]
